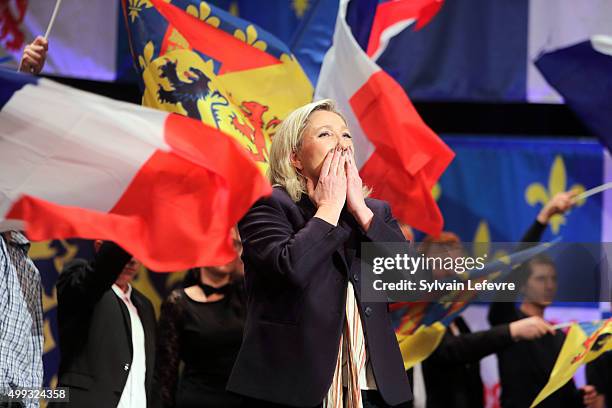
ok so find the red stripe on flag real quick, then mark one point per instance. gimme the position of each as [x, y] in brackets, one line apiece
[178, 210]
[234, 55]
[393, 12]
[409, 157]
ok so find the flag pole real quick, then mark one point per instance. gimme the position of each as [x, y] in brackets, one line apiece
[55, 11]
[593, 191]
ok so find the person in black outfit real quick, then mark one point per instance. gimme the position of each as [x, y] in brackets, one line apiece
[525, 367]
[599, 374]
[452, 372]
[105, 359]
[302, 257]
[201, 326]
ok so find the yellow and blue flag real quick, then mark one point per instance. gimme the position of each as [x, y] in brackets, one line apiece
[584, 343]
[200, 61]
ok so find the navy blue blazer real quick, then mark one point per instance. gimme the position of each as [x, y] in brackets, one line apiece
[297, 268]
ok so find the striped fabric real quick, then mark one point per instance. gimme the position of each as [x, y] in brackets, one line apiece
[350, 369]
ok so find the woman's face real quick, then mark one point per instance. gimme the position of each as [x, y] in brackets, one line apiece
[325, 130]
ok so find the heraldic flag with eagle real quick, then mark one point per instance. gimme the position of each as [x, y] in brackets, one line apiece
[200, 61]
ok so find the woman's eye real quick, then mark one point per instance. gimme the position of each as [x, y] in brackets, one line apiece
[347, 135]
[322, 134]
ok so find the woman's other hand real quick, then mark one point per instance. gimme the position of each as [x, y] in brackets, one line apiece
[329, 195]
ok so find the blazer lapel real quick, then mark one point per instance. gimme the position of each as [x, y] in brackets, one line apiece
[126, 321]
[308, 210]
[148, 326]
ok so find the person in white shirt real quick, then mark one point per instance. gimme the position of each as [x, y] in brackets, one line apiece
[106, 332]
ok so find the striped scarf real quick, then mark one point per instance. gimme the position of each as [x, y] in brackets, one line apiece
[353, 353]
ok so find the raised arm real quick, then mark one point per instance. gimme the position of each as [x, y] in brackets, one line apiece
[87, 282]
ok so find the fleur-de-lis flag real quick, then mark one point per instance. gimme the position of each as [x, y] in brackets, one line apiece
[202, 62]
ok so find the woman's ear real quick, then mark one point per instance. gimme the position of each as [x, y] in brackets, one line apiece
[295, 161]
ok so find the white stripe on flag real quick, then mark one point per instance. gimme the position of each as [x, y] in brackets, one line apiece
[66, 152]
[388, 33]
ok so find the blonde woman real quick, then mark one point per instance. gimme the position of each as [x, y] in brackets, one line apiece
[308, 340]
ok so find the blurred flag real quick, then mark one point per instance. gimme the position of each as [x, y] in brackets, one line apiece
[422, 325]
[83, 42]
[394, 16]
[482, 50]
[313, 36]
[584, 342]
[202, 62]
[166, 188]
[396, 152]
[581, 73]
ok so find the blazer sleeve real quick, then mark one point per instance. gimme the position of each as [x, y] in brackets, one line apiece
[384, 228]
[471, 347]
[87, 282]
[270, 244]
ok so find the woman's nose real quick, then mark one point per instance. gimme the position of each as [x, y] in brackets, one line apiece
[343, 142]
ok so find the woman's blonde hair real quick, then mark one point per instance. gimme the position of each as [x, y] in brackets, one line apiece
[288, 140]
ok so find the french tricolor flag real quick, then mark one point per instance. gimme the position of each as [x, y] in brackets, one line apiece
[166, 188]
[398, 155]
[582, 74]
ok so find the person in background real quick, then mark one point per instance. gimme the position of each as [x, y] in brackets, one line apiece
[21, 318]
[106, 332]
[525, 366]
[451, 374]
[201, 327]
[21, 315]
[599, 373]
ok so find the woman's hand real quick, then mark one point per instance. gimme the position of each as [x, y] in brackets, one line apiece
[354, 193]
[329, 195]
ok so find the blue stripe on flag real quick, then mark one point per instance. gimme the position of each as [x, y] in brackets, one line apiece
[583, 76]
[314, 36]
[473, 50]
[360, 17]
[11, 82]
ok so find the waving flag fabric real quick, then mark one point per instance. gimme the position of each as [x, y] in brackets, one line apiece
[584, 343]
[393, 16]
[396, 152]
[200, 61]
[581, 73]
[166, 188]
[482, 50]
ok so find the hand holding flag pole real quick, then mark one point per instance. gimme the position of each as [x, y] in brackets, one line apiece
[47, 32]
